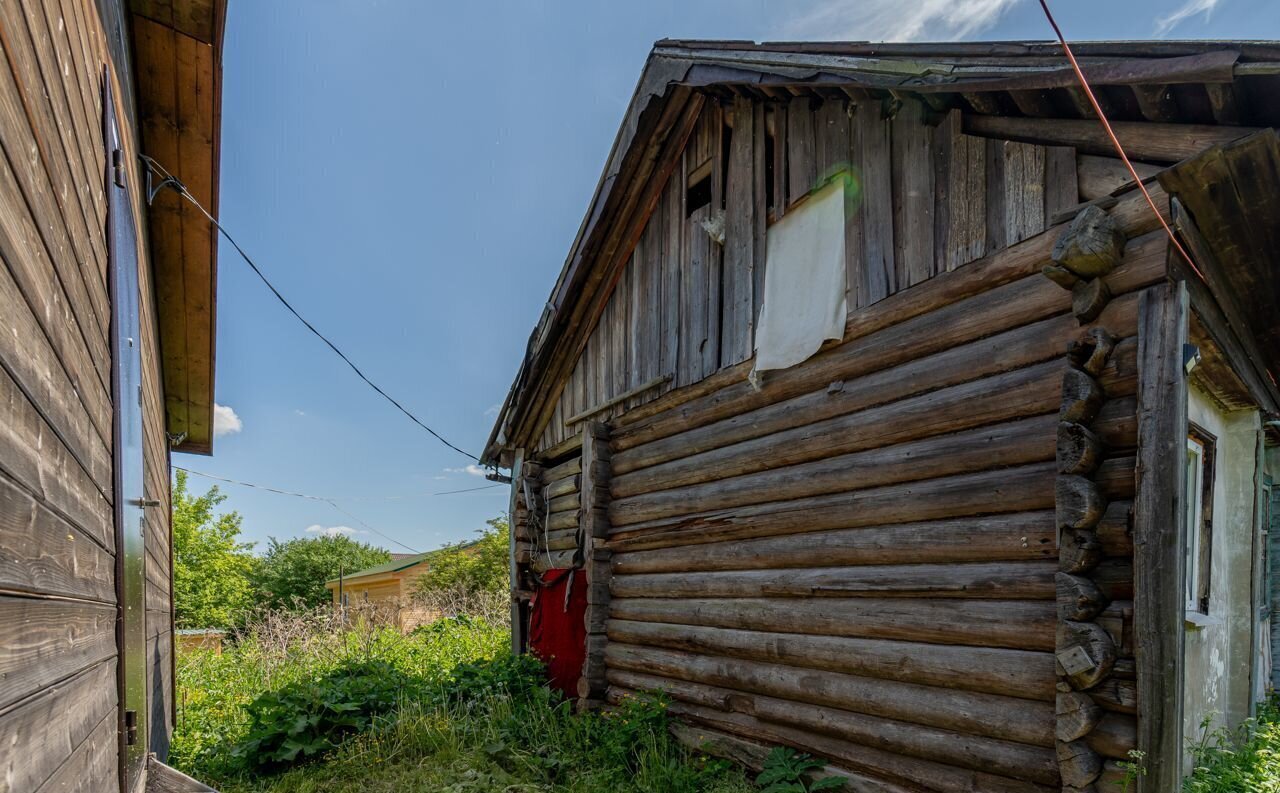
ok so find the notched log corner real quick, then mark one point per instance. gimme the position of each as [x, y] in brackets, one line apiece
[1091, 353]
[1080, 552]
[1077, 715]
[1081, 397]
[1092, 245]
[1079, 599]
[1086, 653]
[1089, 298]
[1080, 503]
[1079, 450]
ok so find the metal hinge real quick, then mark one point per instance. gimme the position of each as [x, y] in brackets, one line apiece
[131, 727]
[117, 159]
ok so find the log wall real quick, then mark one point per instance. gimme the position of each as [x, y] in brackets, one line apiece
[58, 701]
[925, 199]
[860, 557]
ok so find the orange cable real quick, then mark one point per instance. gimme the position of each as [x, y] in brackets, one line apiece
[1115, 141]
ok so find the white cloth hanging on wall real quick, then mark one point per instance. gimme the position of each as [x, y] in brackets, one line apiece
[804, 281]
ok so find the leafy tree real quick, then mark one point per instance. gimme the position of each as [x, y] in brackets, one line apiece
[472, 567]
[293, 572]
[212, 569]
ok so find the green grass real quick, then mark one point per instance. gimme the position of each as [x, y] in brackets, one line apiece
[469, 724]
[1244, 759]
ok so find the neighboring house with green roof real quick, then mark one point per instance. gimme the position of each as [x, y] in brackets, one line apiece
[387, 588]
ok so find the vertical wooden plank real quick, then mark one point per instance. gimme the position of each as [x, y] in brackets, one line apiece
[636, 320]
[912, 168]
[855, 244]
[693, 291]
[997, 235]
[802, 165]
[945, 141]
[1061, 184]
[672, 233]
[759, 219]
[739, 244]
[1024, 191]
[780, 179]
[967, 221]
[1159, 532]
[653, 295]
[878, 277]
[519, 634]
[831, 137]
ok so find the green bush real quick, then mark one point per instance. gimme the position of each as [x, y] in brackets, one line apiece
[465, 717]
[1247, 758]
[308, 718]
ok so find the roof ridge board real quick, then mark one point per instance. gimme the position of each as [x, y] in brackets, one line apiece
[1130, 48]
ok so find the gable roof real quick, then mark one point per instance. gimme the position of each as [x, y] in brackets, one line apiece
[1200, 82]
[401, 561]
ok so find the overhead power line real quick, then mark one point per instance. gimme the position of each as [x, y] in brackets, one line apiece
[169, 180]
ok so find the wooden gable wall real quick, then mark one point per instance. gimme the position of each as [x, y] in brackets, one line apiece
[927, 199]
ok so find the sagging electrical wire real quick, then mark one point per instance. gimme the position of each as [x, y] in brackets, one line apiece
[169, 180]
[1115, 141]
[330, 500]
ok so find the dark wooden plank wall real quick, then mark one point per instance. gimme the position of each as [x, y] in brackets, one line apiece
[928, 199]
[867, 572]
[57, 536]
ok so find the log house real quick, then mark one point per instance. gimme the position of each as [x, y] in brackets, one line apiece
[955, 547]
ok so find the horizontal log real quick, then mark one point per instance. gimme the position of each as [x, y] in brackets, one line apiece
[1027, 300]
[552, 560]
[1116, 477]
[565, 503]
[1025, 536]
[1014, 673]
[1114, 530]
[1016, 442]
[1117, 423]
[1101, 176]
[1021, 489]
[918, 773]
[1025, 392]
[567, 468]
[954, 364]
[1023, 625]
[1008, 264]
[1161, 143]
[1115, 694]
[562, 540]
[570, 445]
[562, 487]
[965, 751]
[1023, 720]
[752, 755]
[1115, 578]
[999, 580]
[1115, 736]
[558, 521]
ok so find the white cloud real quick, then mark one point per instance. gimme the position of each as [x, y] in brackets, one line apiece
[297, 412]
[493, 410]
[225, 421]
[472, 470]
[332, 531]
[894, 20]
[1184, 12]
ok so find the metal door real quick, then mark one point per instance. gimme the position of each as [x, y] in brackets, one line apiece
[129, 496]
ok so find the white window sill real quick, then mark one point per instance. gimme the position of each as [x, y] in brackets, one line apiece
[1195, 621]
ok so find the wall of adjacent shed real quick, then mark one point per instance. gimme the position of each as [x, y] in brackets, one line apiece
[867, 570]
[927, 199]
[58, 698]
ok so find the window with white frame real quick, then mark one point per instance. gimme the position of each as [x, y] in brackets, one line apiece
[1199, 518]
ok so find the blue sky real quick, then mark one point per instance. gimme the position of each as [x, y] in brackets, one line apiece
[411, 175]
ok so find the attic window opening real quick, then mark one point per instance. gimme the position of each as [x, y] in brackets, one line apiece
[698, 193]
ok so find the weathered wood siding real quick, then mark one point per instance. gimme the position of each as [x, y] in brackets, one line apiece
[927, 198]
[58, 701]
[859, 557]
